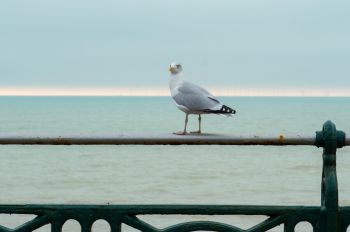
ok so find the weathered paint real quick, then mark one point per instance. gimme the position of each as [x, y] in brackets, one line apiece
[161, 139]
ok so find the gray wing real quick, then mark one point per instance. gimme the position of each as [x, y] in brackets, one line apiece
[195, 98]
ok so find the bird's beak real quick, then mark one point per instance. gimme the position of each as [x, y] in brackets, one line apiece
[171, 69]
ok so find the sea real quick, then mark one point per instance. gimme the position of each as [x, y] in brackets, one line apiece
[136, 174]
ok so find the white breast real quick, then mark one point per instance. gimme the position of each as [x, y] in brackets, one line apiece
[174, 84]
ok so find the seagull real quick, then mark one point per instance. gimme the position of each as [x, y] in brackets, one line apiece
[193, 99]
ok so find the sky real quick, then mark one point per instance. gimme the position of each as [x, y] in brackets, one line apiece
[124, 47]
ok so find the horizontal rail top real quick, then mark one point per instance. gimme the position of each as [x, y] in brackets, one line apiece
[160, 139]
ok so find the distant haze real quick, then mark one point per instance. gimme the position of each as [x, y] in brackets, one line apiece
[111, 47]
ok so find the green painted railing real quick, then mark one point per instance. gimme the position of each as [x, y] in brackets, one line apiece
[327, 217]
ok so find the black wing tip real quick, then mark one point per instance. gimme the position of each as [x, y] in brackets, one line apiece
[228, 110]
[224, 110]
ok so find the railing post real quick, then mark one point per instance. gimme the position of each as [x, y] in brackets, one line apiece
[330, 139]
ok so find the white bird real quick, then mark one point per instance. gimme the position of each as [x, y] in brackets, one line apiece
[193, 99]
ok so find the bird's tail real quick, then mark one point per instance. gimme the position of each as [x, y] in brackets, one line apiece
[224, 110]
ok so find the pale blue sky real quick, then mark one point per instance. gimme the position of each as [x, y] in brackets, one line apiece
[233, 43]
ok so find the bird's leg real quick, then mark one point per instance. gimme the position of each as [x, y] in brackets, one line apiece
[199, 122]
[183, 132]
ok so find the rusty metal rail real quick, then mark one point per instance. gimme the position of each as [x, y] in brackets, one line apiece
[161, 139]
[328, 217]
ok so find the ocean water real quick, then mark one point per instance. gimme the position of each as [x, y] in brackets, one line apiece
[288, 175]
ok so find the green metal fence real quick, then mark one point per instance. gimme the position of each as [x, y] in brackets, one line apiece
[326, 217]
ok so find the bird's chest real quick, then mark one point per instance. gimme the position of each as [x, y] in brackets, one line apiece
[174, 86]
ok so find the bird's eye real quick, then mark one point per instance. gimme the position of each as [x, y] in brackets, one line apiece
[178, 65]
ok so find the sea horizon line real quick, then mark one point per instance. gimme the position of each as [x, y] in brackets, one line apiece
[164, 92]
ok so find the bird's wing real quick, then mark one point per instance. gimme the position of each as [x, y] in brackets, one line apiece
[195, 98]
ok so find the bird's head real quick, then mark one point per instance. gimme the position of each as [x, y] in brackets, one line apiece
[175, 68]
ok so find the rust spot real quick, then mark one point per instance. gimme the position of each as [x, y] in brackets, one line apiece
[281, 139]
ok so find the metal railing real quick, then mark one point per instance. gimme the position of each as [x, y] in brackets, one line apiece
[326, 217]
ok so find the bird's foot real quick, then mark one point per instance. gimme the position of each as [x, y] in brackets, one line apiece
[180, 133]
[196, 132]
